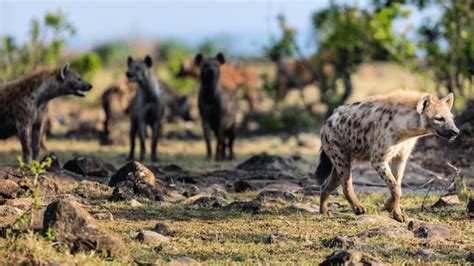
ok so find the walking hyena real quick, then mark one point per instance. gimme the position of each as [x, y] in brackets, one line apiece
[217, 107]
[382, 129]
[147, 107]
[24, 104]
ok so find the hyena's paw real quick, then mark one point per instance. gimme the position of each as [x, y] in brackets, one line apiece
[358, 210]
[399, 216]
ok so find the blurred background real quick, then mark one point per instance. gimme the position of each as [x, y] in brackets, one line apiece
[298, 61]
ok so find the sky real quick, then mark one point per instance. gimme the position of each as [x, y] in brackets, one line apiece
[247, 25]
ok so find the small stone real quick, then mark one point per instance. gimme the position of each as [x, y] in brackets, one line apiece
[162, 248]
[428, 253]
[8, 189]
[135, 203]
[163, 229]
[342, 257]
[276, 238]
[436, 231]
[272, 194]
[90, 166]
[210, 202]
[305, 208]
[242, 186]
[135, 172]
[387, 232]
[151, 238]
[216, 190]
[190, 190]
[244, 206]
[340, 242]
[449, 200]
[103, 216]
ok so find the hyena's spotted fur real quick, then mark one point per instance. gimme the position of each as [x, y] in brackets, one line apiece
[24, 104]
[382, 130]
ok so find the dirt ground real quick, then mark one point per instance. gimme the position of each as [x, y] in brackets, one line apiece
[260, 208]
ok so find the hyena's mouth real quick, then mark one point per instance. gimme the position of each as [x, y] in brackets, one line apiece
[81, 93]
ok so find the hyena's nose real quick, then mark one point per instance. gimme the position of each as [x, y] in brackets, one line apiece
[452, 133]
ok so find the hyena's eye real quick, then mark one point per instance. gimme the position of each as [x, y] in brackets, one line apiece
[439, 119]
[79, 79]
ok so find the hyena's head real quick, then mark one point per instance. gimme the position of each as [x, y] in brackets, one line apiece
[437, 114]
[210, 67]
[139, 70]
[71, 82]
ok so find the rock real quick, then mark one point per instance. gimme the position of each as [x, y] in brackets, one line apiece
[470, 208]
[242, 186]
[182, 261]
[436, 231]
[151, 238]
[134, 203]
[8, 189]
[190, 190]
[387, 232]
[163, 229]
[135, 172]
[304, 208]
[428, 254]
[75, 225]
[276, 238]
[6, 211]
[53, 159]
[216, 190]
[272, 194]
[449, 200]
[210, 202]
[162, 248]
[20, 203]
[376, 219]
[266, 162]
[244, 206]
[342, 257]
[90, 166]
[312, 190]
[340, 242]
[127, 190]
[470, 257]
[103, 216]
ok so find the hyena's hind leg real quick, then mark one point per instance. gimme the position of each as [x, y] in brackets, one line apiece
[345, 171]
[328, 187]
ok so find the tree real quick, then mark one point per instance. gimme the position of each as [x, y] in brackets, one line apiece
[44, 47]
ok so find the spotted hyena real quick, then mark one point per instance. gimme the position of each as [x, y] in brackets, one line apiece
[147, 107]
[382, 130]
[217, 107]
[24, 104]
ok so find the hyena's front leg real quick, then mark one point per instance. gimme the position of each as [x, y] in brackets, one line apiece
[24, 134]
[142, 137]
[392, 205]
[36, 134]
[154, 139]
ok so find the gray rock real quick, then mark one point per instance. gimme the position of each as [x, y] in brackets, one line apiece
[242, 186]
[103, 216]
[244, 206]
[272, 194]
[210, 202]
[76, 226]
[387, 232]
[304, 208]
[342, 257]
[90, 166]
[448, 200]
[163, 229]
[428, 254]
[266, 162]
[135, 172]
[151, 238]
[190, 190]
[436, 231]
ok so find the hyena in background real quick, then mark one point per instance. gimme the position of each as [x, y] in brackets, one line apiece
[217, 107]
[146, 108]
[383, 130]
[24, 104]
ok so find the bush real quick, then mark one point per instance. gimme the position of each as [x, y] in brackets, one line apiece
[113, 52]
[87, 64]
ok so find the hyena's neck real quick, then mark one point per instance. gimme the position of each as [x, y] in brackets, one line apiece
[413, 126]
[151, 86]
[45, 92]
[210, 86]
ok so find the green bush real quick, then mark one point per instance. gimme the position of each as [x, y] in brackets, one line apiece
[113, 52]
[87, 64]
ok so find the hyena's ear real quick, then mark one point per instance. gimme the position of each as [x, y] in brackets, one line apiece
[198, 59]
[129, 60]
[423, 103]
[220, 57]
[63, 72]
[449, 100]
[148, 61]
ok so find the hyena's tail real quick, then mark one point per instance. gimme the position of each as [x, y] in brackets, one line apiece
[324, 168]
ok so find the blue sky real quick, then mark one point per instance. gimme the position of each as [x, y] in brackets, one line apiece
[248, 24]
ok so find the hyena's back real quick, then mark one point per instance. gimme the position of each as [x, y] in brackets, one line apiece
[354, 131]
